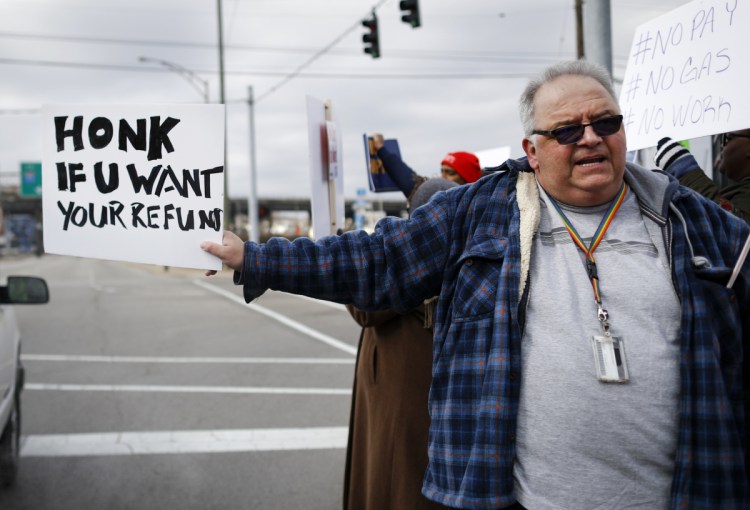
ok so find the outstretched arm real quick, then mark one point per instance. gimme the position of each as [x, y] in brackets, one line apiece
[231, 251]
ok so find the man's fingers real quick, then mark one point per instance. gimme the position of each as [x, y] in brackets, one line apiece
[210, 247]
[230, 251]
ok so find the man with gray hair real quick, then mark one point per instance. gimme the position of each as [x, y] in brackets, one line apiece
[590, 331]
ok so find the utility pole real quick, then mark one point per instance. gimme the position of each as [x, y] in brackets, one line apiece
[227, 208]
[597, 30]
[579, 30]
[252, 198]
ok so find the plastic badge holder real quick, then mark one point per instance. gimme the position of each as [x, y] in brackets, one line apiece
[609, 356]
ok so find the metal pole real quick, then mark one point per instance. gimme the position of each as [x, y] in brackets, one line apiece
[597, 28]
[227, 208]
[252, 198]
[580, 52]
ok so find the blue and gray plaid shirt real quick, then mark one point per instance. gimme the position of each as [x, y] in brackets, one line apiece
[465, 246]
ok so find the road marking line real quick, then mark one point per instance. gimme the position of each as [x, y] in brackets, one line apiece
[172, 442]
[333, 342]
[183, 359]
[185, 389]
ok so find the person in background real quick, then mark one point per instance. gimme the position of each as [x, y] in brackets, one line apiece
[733, 162]
[459, 167]
[389, 422]
[386, 455]
[628, 293]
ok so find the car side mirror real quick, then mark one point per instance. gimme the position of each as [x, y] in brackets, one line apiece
[24, 290]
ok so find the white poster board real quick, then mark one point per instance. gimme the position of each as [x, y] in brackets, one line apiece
[326, 176]
[490, 158]
[687, 74]
[138, 183]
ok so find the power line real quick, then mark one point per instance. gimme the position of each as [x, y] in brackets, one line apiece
[316, 56]
[19, 111]
[247, 72]
[492, 56]
[108, 40]
[354, 76]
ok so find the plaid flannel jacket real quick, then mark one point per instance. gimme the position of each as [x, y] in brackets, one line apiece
[466, 245]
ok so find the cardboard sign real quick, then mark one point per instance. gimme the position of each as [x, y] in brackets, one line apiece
[326, 172]
[377, 177]
[138, 183]
[491, 158]
[687, 74]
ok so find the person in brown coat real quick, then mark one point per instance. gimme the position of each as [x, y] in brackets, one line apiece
[386, 455]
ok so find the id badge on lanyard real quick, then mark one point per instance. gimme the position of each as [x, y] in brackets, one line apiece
[609, 351]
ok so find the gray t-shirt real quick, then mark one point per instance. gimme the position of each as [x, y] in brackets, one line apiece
[584, 444]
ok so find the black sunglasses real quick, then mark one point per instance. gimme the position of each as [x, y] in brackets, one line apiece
[731, 136]
[565, 135]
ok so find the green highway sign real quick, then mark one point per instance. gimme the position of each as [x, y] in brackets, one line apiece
[31, 179]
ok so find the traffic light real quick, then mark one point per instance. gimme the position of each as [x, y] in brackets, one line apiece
[411, 12]
[372, 39]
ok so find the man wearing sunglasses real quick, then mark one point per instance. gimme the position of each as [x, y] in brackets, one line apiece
[733, 162]
[587, 352]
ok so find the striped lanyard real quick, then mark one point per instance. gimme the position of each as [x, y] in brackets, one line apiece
[595, 240]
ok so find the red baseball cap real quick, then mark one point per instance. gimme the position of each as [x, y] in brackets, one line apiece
[465, 163]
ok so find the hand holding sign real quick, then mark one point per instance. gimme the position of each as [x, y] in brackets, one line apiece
[231, 251]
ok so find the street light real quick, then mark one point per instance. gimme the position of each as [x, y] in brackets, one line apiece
[195, 81]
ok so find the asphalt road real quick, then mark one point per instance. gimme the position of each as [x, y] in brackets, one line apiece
[153, 389]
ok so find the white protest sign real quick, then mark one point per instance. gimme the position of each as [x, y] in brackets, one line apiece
[687, 74]
[138, 183]
[326, 175]
[490, 158]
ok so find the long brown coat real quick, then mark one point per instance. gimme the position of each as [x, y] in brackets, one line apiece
[387, 450]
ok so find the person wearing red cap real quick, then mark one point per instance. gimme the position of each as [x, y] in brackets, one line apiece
[459, 167]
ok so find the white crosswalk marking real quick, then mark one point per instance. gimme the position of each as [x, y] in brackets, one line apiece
[185, 359]
[172, 442]
[143, 388]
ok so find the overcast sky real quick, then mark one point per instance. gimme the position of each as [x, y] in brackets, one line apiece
[450, 85]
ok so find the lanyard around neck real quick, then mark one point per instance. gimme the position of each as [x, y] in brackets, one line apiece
[595, 240]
